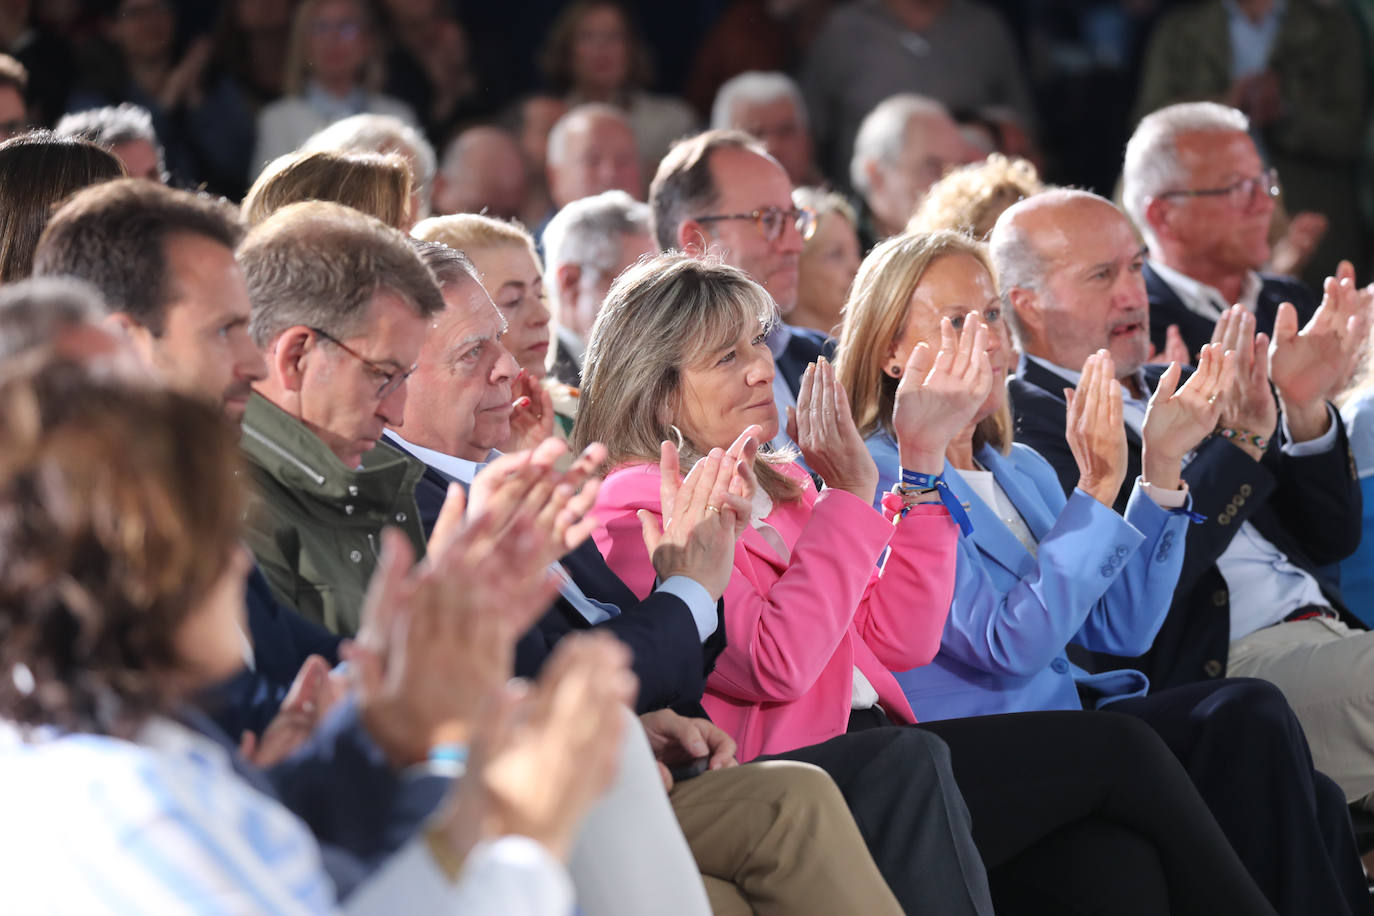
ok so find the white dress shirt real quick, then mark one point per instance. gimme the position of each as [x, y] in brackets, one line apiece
[1202, 299]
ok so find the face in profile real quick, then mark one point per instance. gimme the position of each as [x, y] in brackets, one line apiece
[825, 271]
[512, 279]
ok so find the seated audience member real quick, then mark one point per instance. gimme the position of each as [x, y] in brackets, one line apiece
[828, 262]
[37, 170]
[769, 106]
[1357, 570]
[531, 119]
[970, 198]
[333, 70]
[904, 145]
[429, 63]
[594, 54]
[1250, 601]
[124, 130]
[1039, 571]
[814, 625]
[45, 54]
[482, 172]
[340, 304]
[458, 410]
[1263, 57]
[958, 52]
[1198, 191]
[508, 266]
[370, 183]
[123, 584]
[163, 262]
[592, 149]
[586, 246]
[14, 112]
[384, 135]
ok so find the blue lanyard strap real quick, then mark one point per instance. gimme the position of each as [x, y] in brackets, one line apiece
[936, 482]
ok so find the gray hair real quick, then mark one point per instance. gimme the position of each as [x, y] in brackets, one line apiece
[320, 264]
[558, 135]
[824, 201]
[33, 313]
[587, 232]
[449, 265]
[111, 126]
[758, 87]
[1152, 166]
[882, 135]
[379, 133]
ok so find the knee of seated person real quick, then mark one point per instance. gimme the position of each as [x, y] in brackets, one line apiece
[791, 780]
[1124, 738]
[1250, 705]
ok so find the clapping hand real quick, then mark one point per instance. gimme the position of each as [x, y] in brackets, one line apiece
[940, 393]
[1175, 350]
[312, 694]
[1249, 406]
[1096, 434]
[1179, 418]
[532, 416]
[824, 429]
[1305, 365]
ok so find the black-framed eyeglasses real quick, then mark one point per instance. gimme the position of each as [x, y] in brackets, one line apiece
[771, 221]
[1241, 193]
[391, 378]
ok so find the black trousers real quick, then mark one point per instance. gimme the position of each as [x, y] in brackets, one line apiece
[1065, 779]
[1248, 757]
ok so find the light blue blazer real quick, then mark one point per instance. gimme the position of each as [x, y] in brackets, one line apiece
[1101, 581]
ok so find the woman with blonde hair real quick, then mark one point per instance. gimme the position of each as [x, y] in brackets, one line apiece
[815, 624]
[373, 184]
[829, 259]
[1038, 572]
[970, 198]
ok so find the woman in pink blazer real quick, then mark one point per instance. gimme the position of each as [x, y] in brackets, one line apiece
[1098, 817]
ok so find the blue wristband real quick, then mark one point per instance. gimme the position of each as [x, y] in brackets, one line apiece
[951, 502]
[448, 760]
[1197, 518]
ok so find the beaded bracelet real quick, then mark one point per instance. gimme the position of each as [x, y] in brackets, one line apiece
[925, 483]
[1243, 436]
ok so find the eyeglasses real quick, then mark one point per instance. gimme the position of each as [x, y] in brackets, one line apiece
[391, 379]
[1240, 194]
[771, 221]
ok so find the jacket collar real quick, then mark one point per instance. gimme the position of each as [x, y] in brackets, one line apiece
[285, 449]
[990, 534]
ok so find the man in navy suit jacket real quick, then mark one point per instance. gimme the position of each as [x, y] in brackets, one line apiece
[1250, 599]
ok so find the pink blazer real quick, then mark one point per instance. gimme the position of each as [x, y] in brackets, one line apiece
[796, 630]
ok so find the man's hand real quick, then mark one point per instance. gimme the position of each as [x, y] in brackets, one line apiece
[677, 740]
[310, 697]
[824, 429]
[1305, 365]
[1249, 405]
[1094, 429]
[1177, 420]
[939, 394]
[1175, 350]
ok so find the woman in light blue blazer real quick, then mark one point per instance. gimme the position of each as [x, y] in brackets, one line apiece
[1037, 572]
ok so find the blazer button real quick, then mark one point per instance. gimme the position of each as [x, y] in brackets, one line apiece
[1223, 519]
[1059, 666]
[1213, 668]
[1246, 489]
[1106, 570]
[356, 556]
[1220, 597]
[1231, 509]
[1239, 501]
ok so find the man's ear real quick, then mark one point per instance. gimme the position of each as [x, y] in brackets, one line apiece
[693, 238]
[877, 181]
[1027, 307]
[288, 355]
[1158, 220]
[566, 280]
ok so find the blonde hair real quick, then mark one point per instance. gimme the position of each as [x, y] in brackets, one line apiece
[297, 69]
[466, 231]
[661, 316]
[970, 198]
[875, 316]
[374, 184]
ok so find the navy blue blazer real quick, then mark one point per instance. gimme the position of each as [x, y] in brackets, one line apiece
[1309, 507]
[1166, 309]
[282, 641]
[670, 660]
[804, 347]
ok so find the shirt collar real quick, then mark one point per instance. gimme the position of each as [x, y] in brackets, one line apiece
[1275, 13]
[1205, 300]
[1073, 376]
[460, 469]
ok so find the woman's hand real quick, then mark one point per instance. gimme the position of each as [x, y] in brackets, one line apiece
[1177, 420]
[1095, 430]
[940, 394]
[532, 416]
[824, 429]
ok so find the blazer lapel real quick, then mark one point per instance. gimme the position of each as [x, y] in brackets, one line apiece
[992, 538]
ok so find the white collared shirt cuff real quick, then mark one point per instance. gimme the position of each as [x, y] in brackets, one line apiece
[697, 599]
[1312, 446]
[1167, 499]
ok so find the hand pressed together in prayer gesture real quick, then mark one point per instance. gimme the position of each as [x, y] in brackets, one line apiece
[1093, 426]
[1178, 418]
[824, 429]
[940, 393]
[1249, 405]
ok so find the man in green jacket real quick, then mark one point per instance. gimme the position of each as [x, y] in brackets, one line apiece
[341, 304]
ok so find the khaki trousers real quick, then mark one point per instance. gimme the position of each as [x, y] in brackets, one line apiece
[776, 838]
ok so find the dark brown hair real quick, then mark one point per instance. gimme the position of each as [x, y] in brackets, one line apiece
[555, 59]
[119, 512]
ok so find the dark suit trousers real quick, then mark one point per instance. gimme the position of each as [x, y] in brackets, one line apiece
[1077, 782]
[1246, 753]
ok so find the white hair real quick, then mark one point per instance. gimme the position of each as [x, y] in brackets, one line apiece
[882, 135]
[589, 232]
[757, 87]
[380, 133]
[558, 136]
[1152, 166]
